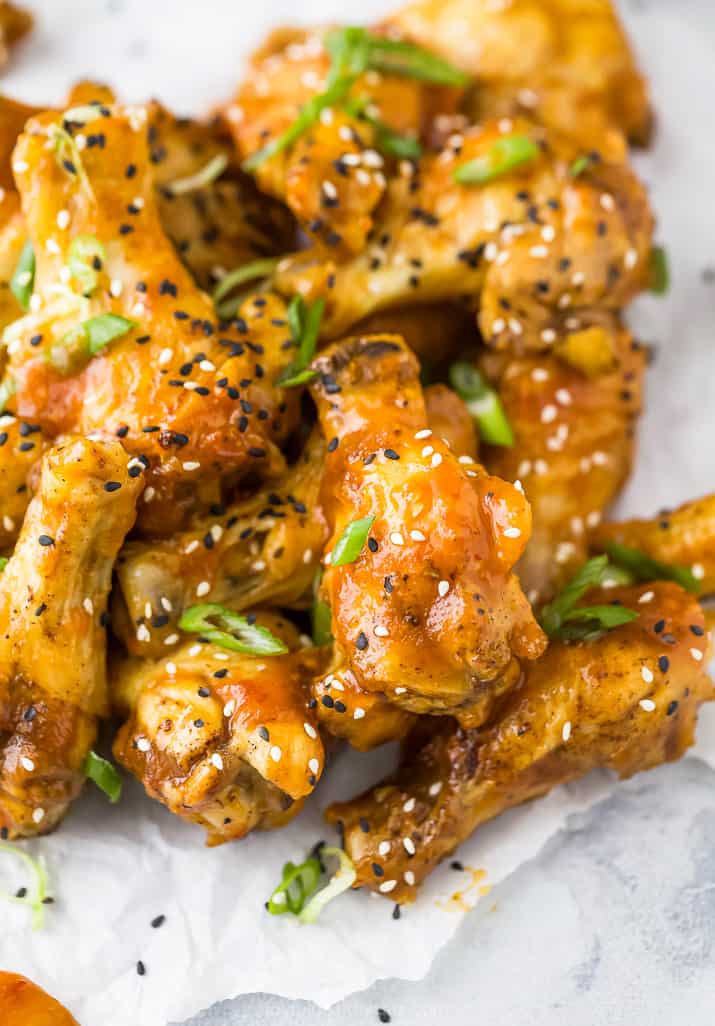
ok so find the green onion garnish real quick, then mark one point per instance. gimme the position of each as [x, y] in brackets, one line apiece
[503, 156]
[643, 568]
[351, 542]
[402, 147]
[88, 339]
[353, 52]
[561, 619]
[68, 155]
[580, 165]
[249, 272]
[208, 174]
[3, 562]
[320, 615]
[659, 271]
[104, 774]
[304, 322]
[7, 390]
[86, 258]
[236, 633]
[23, 278]
[483, 403]
[36, 898]
[298, 891]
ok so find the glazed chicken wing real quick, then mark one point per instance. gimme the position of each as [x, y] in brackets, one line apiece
[684, 537]
[573, 445]
[25, 1004]
[428, 614]
[332, 177]
[626, 701]
[223, 739]
[53, 595]
[567, 62]
[533, 249]
[192, 399]
[21, 446]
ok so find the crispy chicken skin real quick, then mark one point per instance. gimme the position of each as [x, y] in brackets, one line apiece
[567, 62]
[225, 740]
[21, 446]
[53, 595]
[332, 177]
[572, 452]
[15, 22]
[429, 614]
[627, 701]
[684, 536]
[259, 550]
[195, 399]
[23, 1003]
[533, 249]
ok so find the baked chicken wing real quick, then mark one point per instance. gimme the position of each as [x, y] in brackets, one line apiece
[532, 249]
[21, 446]
[627, 701]
[223, 739]
[23, 1003]
[53, 596]
[428, 613]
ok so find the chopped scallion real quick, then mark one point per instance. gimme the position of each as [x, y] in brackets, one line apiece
[298, 892]
[236, 632]
[562, 619]
[502, 157]
[304, 322]
[644, 568]
[104, 774]
[23, 278]
[483, 403]
[208, 174]
[659, 271]
[263, 268]
[36, 898]
[351, 542]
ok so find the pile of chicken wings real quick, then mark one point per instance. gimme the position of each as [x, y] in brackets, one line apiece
[312, 415]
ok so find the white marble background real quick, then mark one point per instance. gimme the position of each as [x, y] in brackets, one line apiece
[614, 922]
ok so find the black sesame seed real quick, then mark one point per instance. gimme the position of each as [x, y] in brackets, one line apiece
[659, 626]
[457, 865]
[112, 486]
[204, 692]
[696, 630]
[372, 544]
[377, 869]
[123, 431]
[157, 922]
[198, 723]
[340, 707]
[264, 733]
[221, 673]
[364, 825]
[141, 968]
[30, 713]
[672, 706]
[383, 1016]
[391, 454]
[327, 701]
[361, 642]
[45, 540]
[396, 912]
[332, 444]
[663, 663]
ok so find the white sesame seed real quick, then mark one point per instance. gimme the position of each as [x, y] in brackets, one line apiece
[539, 252]
[276, 753]
[442, 588]
[52, 247]
[313, 765]
[409, 845]
[647, 704]
[400, 691]
[539, 374]
[566, 730]
[229, 708]
[549, 413]
[698, 571]
[540, 466]
[409, 877]
[206, 365]
[165, 604]
[417, 536]
[38, 815]
[381, 632]
[387, 886]
[19, 166]
[498, 326]
[593, 519]
[143, 633]
[171, 639]
[548, 335]
[191, 465]
[647, 674]
[194, 650]
[329, 189]
[515, 326]
[396, 538]
[423, 433]
[217, 761]
[512, 532]
[383, 848]
[563, 396]
[427, 451]
[436, 459]
[143, 744]
[88, 605]
[607, 201]
[165, 356]
[647, 596]
[203, 588]
[696, 654]
[170, 669]
[149, 494]
[409, 805]
[630, 259]
[27, 764]
[359, 713]
[548, 233]
[116, 287]
[63, 219]
[435, 788]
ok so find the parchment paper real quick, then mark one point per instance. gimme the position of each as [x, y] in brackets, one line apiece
[114, 869]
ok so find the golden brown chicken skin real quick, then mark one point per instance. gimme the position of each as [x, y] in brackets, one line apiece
[225, 740]
[627, 701]
[258, 550]
[53, 595]
[195, 399]
[683, 537]
[21, 446]
[572, 452]
[532, 249]
[567, 62]
[429, 614]
[15, 22]
[23, 1003]
[333, 176]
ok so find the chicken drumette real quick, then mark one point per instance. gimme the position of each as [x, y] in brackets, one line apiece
[53, 596]
[627, 701]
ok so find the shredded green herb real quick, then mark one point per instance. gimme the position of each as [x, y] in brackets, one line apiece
[298, 892]
[659, 271]
[304, 322]
[562, 619]
[235, 632]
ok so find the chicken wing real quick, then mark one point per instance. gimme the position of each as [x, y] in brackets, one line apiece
[684, 536]
[532, 249]
[428, 613]
[21, 446]
[263, 549]
[23, 1003]
[573, 447]
[223, 739]
[567, 62]
[15, 22]
[193, 399]
[627, 701]
[53, 594]
[332, 177]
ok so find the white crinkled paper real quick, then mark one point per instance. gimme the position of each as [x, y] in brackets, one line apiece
[114, 869]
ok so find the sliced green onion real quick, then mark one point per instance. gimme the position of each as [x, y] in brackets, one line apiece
[502, 157]
[36, 899]
[304, 322]
[208, 174]
[86, 340]
[235, 633]
[561, 619]
[298, 891]
[398, 57]
[483, 403]
[7, 390]
[86, 258]
[240, 276]
[22, 282]
[104, 774]
[351, 542]
[659, 271]
[402, 147]
[644, 568]
[3, 562]
[83, 115]
[320, 615]
[580, 165]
